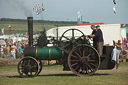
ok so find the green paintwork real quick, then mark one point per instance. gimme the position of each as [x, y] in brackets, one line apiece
[49, 53]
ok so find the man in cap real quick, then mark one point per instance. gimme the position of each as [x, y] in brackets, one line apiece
[94, 40]
[93, 32]
[99, 38]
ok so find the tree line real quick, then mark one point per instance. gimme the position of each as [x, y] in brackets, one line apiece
[39, 21]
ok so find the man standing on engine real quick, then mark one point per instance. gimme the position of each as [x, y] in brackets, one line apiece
[99, 38]
[94, 39]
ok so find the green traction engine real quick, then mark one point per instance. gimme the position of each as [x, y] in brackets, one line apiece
[74, 52]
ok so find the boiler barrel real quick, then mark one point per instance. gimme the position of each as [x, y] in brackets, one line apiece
[45, 53]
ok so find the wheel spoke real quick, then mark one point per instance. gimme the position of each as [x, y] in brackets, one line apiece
[77, 54]
[34, 70]
[74, 56]
[80, 52]
[34, 66]
[66, 45]
[93, 64]
[73, 45]
[77, 43]
[74, 64]
[89, 66]
[89, 55]
[91, 60]
[84, 68]
[23, 64]
[73, 34]
[28, 61]
[74, 60]
[83, 53]
[87, 70]
[67, 38]
[77, 66]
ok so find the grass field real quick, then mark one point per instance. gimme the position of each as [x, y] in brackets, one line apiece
[22, 27]
[53, 75]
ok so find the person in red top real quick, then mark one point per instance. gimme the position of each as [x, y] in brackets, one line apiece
[11, 42]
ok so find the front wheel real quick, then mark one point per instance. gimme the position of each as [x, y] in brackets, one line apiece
[28, 67]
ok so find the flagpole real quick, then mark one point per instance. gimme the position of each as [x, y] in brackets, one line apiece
[43, 17]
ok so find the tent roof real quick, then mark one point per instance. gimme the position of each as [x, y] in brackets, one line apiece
[81, 24]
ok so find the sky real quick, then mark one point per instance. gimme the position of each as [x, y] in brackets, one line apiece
[66, 10]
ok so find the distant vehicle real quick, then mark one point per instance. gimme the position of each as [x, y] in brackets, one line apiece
[110, 32]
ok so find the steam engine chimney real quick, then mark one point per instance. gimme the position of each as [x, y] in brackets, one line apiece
[30, 30]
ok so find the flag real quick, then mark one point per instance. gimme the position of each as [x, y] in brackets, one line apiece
[2, 31]
[114, 1]
[123, 25]
[79, 18]
[9, 30]
[114, 9]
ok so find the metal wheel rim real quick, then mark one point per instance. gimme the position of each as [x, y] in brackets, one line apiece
[40, 67]
[89, 69]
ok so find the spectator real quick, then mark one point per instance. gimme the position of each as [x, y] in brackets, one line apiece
[20, 51]
[119, 46]
[8, 50]
[17, 52]
[5, 51]
[125, 41]
[127, 45]
[13, 53]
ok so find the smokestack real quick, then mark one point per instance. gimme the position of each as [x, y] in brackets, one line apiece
[30, 30]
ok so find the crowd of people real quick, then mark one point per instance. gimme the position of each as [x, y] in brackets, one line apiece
[12, 51]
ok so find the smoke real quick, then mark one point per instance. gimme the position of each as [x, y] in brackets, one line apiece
[20, 5]
[27, 12]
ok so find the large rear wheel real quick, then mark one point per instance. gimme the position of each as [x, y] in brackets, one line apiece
[83, 60]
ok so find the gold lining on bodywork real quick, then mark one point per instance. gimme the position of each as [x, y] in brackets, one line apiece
[30, 19]
[49, 54]
[36, 51]
[62, 54]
